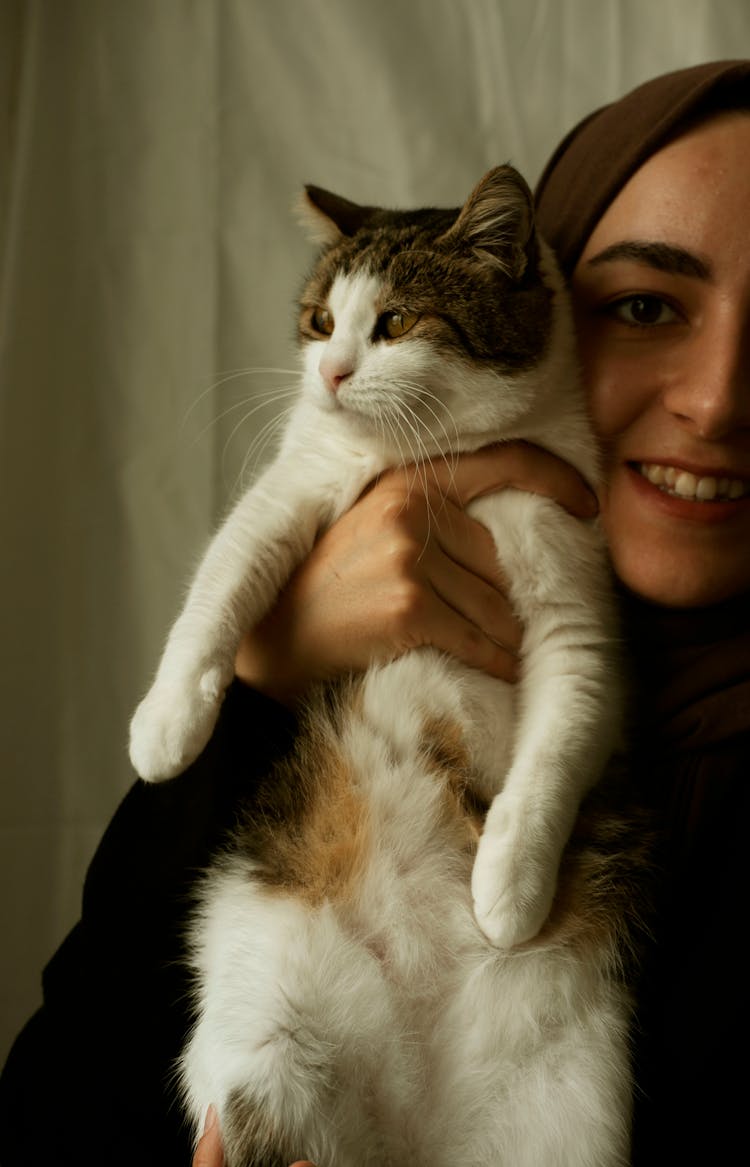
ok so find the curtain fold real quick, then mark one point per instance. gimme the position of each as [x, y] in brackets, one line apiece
[150, 156]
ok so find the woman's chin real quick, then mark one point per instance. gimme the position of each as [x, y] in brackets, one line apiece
[679, 580]
[675, 559]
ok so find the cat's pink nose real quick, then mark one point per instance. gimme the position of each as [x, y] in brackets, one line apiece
[334, 369]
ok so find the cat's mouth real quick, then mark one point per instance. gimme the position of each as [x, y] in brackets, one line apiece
[694, 487]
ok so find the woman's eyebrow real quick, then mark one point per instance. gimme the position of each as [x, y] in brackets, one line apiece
[662, 256]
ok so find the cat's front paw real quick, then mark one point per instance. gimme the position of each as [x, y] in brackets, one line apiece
[173, 723]
[512, 890]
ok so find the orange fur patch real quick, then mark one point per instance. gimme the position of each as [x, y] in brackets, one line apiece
[444, 749]
[310, 828]
[334, 841]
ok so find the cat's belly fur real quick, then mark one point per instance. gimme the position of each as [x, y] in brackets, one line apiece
[351, 1010]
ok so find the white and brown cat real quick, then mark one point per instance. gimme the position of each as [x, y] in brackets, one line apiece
[401, 958]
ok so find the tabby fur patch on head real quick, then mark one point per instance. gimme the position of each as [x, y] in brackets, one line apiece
[397, 294]
[453, 270]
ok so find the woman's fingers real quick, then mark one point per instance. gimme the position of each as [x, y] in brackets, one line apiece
[474, 622]
[208, 1153]
[419, 523]
[430, 620]
[447, 591]
[516, 464]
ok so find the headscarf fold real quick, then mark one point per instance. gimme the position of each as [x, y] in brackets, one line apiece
[595, 160]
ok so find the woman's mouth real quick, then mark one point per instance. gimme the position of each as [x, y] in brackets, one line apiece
[679, 483]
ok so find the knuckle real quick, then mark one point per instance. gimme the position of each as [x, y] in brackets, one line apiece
[403, 556]
[401, 511]
[392, 506]
[408, 609]
[412, 494]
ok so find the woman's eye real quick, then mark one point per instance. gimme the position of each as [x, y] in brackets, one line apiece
[395, 324]
[643, 311]
[321, 321]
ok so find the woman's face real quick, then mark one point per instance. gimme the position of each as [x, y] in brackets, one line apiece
[662, 303]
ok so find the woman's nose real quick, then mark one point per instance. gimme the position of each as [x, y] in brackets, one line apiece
[710, 393]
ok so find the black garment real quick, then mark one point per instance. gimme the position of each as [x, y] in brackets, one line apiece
[691, 758]
[88, 1081]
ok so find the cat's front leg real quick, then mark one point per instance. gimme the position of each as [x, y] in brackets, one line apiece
[176, 718]
[570, 709]
[514, 877]
[247, 563]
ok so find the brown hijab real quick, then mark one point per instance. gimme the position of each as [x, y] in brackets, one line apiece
[595, 160]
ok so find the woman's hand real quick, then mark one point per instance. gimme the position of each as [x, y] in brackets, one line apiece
[208, 1153]
[406, 567]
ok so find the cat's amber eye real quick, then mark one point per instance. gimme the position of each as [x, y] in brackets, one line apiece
[395, 324]
[321, 321]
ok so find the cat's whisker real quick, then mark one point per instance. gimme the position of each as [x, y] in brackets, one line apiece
[450, 455]
[393, 429]
[399, 439]
[420, 459]
[425, 396]
[269, 398]
[381, 426]
[278, 397]
[259, 444]
[412, 438]
[258, 450]
[233, 375]
[262, 398]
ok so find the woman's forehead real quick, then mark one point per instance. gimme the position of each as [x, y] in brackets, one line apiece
[695, 191]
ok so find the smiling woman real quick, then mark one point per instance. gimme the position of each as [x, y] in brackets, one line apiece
[662, 292]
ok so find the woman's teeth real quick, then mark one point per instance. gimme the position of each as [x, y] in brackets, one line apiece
[683, 484]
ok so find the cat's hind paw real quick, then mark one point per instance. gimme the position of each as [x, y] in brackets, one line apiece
[172, 725]
[512, 891]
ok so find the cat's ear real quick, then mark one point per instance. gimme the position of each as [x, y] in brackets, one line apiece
[327, 217]
[497, 220]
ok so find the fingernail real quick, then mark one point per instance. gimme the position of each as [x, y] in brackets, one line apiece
[210, 1119]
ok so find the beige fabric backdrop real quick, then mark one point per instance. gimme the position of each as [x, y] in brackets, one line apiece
[149, 154]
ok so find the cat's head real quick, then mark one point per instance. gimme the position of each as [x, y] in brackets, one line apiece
[430, 325]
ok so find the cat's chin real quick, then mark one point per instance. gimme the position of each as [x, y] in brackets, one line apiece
[415, 446]
[397, 442]
[358, 422]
